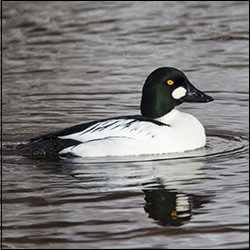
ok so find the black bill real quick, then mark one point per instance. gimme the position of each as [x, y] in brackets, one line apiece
[195, 95]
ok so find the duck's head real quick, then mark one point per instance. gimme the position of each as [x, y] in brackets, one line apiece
[166, 88]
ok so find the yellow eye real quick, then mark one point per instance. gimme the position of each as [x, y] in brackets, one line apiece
[170, 82]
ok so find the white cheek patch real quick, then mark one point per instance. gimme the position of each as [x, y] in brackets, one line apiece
[179, 93]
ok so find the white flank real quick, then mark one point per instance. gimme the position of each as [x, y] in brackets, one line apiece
[123, 137]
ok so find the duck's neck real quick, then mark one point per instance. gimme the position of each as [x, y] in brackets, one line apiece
[154, 109]
[154, 103]
[168, 117]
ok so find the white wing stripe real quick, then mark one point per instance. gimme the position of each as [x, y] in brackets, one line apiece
[129, 128]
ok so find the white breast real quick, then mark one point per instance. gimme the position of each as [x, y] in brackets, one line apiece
[187, 132]
[129, 137]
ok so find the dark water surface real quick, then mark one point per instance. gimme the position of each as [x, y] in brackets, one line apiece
[66, 63]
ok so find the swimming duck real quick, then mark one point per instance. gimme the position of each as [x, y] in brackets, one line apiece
[161, 128]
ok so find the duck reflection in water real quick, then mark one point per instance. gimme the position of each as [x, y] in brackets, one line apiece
[171, 197]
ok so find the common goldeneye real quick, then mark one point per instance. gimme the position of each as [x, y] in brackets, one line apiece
[160, 129]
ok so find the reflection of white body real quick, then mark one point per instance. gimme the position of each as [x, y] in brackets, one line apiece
[174, 174]
[170, 171]
[178, 132]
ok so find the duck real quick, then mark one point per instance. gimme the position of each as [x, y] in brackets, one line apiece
[161, 128]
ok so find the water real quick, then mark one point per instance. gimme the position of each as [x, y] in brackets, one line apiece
[66, 63]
